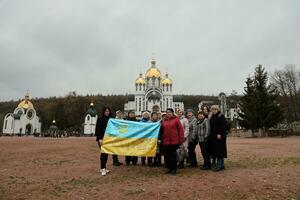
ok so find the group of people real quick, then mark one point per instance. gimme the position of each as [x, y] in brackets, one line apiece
[181, 130]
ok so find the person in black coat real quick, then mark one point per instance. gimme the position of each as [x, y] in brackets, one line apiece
[99, 133]
[133, 159]
[218, 137]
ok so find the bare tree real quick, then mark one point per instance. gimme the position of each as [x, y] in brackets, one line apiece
[287, 83]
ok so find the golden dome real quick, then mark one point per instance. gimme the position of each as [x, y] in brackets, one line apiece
[153, 71]
[167, 80]
[140, 80]
[25, 104]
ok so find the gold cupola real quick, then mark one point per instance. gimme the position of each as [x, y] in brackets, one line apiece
[167, 80]
[140, 80]
[153, 71]
[26, 104]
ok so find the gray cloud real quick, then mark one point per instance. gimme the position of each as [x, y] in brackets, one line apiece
[53, 47]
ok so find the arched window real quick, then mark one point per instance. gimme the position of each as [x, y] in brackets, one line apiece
[88, 118]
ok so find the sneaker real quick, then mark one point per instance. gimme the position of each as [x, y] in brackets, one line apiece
[107, 171]
[103, 172]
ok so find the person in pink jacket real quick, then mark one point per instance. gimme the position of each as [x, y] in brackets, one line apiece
[172, 136]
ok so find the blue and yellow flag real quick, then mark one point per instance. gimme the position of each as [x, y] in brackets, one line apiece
[129, 138]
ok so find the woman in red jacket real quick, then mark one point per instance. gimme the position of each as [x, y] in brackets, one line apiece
[172, 136]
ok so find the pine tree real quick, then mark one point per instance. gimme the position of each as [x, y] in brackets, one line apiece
[258, 106]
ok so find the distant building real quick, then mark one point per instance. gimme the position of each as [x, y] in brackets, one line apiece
[23, 120]
[153, 92]
[90, 120]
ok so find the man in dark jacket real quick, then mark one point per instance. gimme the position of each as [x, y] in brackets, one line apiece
[218, 137]
[99, 133]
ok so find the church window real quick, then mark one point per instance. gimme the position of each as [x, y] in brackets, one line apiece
[167, 103]
[167, 87]
[136, 87]
[88, 118]
[5, 126]
[140, 88]
[140, 104]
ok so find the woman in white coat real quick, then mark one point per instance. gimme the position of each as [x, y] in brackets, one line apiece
[185, 124]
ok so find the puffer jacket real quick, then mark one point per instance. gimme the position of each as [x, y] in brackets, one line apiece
[192, 126]
[172, 131]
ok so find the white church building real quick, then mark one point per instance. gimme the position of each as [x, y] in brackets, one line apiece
[153, 92]
[90, 120]
[23, 120]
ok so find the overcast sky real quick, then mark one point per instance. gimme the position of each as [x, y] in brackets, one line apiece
[56, 46]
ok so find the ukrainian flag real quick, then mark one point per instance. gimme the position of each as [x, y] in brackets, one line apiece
[130, 138]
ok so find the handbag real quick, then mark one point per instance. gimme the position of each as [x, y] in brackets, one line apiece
[181, 154]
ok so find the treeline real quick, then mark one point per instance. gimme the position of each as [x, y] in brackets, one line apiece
[69, 111]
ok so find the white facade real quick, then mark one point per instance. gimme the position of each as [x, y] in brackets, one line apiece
[23, 120]
[90, 121]
[153, 93]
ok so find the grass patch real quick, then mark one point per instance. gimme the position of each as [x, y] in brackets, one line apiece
[77, 182]
[51, 162]
[58, 191]
[233, 195]
[135, 192]
[255, 162]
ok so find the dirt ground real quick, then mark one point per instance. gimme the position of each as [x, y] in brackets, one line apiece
[68, 168]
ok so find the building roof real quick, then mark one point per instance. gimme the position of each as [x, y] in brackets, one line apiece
[140, 80]
[167, 80]
[26, 104]
[153, 71]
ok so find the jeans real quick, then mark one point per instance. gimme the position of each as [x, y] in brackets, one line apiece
[220, 163]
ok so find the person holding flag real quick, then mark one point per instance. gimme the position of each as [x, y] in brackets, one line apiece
[99, 133]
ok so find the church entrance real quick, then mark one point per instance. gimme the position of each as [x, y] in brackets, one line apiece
[155, 108]
[28, 130]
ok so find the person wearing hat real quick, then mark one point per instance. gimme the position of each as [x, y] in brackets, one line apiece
[133, 159]
[155, 161]
[218, 137]
[116, 162]
[172, 136]
[185, 124]
[145, 119]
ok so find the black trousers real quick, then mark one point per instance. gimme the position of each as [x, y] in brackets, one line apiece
[103, 160]
[205, 153]
[171, 156]
[133, 159]
[115, 158]
[192, 153]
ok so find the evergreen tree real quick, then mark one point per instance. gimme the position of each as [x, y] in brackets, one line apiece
[258, 106]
